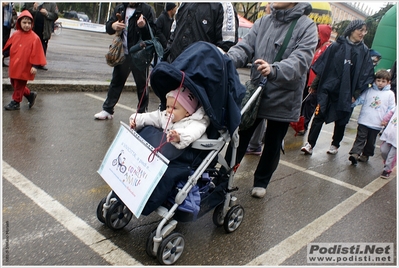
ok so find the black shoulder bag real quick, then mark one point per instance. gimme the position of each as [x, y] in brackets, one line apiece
[251, 112]
[143, 52]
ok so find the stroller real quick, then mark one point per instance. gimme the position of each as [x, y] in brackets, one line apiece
[213, 79]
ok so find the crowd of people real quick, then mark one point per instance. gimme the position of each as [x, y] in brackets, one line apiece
[337, 75]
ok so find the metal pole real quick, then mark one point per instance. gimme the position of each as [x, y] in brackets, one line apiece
[109, 10]
[99, 13]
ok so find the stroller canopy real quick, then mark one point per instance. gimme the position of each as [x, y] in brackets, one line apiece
[211, 76]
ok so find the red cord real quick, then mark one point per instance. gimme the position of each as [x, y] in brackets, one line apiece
[158, 149]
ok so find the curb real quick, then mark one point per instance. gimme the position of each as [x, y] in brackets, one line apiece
[67, 86]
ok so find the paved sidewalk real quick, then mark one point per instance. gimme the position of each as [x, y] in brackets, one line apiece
[76, 62]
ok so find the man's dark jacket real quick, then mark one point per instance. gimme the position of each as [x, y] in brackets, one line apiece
[164, 23]
[200, 22]
[135, 33]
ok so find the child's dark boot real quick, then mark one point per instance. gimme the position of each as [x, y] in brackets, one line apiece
[12, 106]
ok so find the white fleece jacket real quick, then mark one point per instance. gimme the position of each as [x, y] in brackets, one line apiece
[190, 128]
[375, 105]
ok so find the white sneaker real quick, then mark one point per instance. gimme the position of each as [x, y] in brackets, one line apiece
[332, 150]
[307, 148]
[103, 115]
[258, 192]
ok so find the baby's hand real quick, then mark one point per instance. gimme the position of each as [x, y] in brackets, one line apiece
[132, 123]
[384, 123]
[173, 136]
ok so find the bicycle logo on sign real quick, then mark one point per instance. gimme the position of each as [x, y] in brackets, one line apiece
[119, 162]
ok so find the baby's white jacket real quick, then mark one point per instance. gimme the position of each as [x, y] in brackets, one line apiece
[190, 128]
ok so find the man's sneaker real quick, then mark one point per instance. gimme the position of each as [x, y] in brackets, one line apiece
[32, 98]
[257, 151]
[12, 106]
[333, 150]
[307, 148]
[353, 158]
[385, 174]
[363, 158]
[258, 192]
[103, 115]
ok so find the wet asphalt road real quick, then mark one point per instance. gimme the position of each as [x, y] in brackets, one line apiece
[51, 188]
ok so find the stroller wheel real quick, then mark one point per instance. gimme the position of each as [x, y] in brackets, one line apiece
[100, 215]
[118, 216]
[170, 249]
[233, 218]
[150, 244]
[217, 218]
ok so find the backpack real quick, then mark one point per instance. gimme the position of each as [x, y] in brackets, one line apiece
[115, 55]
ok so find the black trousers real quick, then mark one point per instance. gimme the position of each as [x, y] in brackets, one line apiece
[317, 124]
[268, 162]
[119, 77]
[365, 141]
[39, 32]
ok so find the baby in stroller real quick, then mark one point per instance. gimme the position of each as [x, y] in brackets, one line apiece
[206, 84]
[184, 121]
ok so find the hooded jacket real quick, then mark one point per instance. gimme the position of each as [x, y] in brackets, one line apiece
[324, 31]
[25, 50]
[282, 95]
[343, 71]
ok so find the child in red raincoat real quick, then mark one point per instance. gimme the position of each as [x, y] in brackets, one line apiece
[25, 50]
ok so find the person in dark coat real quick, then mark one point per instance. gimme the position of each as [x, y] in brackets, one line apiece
[164, 23]
[343, 72]
[134, 27]
[215, 22]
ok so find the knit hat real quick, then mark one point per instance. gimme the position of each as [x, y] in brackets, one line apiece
[170, 6]
[374, 53]
[186, 98]
[353, 25]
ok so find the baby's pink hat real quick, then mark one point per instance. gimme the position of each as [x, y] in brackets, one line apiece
[185, 98]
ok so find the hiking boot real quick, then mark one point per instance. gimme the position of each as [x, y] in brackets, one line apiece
[32, 98]
[103, 115]
[258, 192]
[385, 174]
[307, 149]
[353, 158]
[333, 150]
[257, 151]
[12, 106]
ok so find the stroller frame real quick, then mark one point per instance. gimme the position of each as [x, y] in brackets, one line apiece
[163, 242]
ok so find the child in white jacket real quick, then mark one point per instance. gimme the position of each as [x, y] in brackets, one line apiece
[388, 145]
[183, 120]
[376, 102]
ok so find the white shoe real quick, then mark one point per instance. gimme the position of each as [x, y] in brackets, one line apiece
[103, 115]
[307, 148]
[332, 150]
[258, 192]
